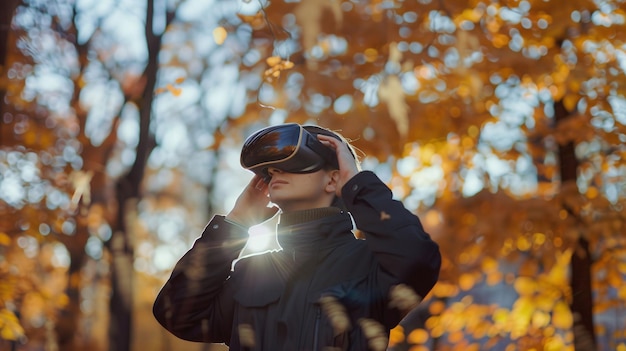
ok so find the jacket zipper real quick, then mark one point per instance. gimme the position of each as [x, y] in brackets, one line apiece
[318, 315]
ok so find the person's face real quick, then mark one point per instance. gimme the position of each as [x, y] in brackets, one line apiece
[301, 191]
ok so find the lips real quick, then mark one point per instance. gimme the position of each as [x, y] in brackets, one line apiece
[277, 182]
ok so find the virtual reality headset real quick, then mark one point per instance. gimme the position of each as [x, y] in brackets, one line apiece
[289, 147]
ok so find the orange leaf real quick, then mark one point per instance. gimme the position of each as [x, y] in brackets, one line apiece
[175, 91]
[273, 60]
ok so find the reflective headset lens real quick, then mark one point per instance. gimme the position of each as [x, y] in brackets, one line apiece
[271, 144]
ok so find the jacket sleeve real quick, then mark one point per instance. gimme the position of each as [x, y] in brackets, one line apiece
[394, 235]
[196, 302]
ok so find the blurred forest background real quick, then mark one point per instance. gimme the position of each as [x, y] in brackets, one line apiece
[502, 124]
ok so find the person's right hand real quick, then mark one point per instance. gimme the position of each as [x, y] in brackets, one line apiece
[252, 205]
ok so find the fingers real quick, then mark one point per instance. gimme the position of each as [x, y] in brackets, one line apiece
[259, 183]
[329, 141]
[251, 207]
[340, 148]
[347, 164]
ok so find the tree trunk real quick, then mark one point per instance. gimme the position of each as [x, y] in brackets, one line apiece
[128, 193]
[580, 265]
[7, 10]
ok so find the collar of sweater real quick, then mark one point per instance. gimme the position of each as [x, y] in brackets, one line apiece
[311, 231]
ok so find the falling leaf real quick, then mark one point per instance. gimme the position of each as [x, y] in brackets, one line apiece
[81, 182]
[246, 335]
[174, 90]
[562, 316]
[256, 21]
[336, 314]
[219, 35]
[273, 60]
[540, 319]
[375, 334]
[525, 285]
[276, 66]
[391, 92]
[309, 14]
[10, 328]
[403, 297]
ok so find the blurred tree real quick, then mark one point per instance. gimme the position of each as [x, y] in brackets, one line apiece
[88, 213]
[500, 122]
[7, 9]
[74, 76]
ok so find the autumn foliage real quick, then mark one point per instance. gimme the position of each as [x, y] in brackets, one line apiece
[502, 124]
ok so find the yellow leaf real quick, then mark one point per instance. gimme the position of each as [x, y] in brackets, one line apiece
[436, 307]
[554, 344]
[62, 300]
[540, 319]
[558, 272]
[5, 239]
[525, 285]
[10, 328]
[544, 302]
[287, 64]
[562, 316]
[256, 21]
[418, 336]
[273, 61]
[523, 309]
[500, 316]
[494, 278]
[592, 192]
[523, 244]
[219, 35]
[466, 281]
[489, 265]
[472, 15]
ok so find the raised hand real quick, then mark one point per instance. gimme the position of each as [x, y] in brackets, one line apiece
[252, 205]
[348, 167]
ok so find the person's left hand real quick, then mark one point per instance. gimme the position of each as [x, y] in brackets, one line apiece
[348, 167]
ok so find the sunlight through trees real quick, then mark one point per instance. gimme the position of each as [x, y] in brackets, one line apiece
[501, 123]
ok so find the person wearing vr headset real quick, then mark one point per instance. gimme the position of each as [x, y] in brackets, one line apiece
[324, 285]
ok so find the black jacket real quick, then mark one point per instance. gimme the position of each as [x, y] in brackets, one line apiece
[270, 301]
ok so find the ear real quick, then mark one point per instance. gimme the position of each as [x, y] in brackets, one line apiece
[332, 182]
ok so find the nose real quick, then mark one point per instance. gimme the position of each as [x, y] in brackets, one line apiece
[273, 170]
